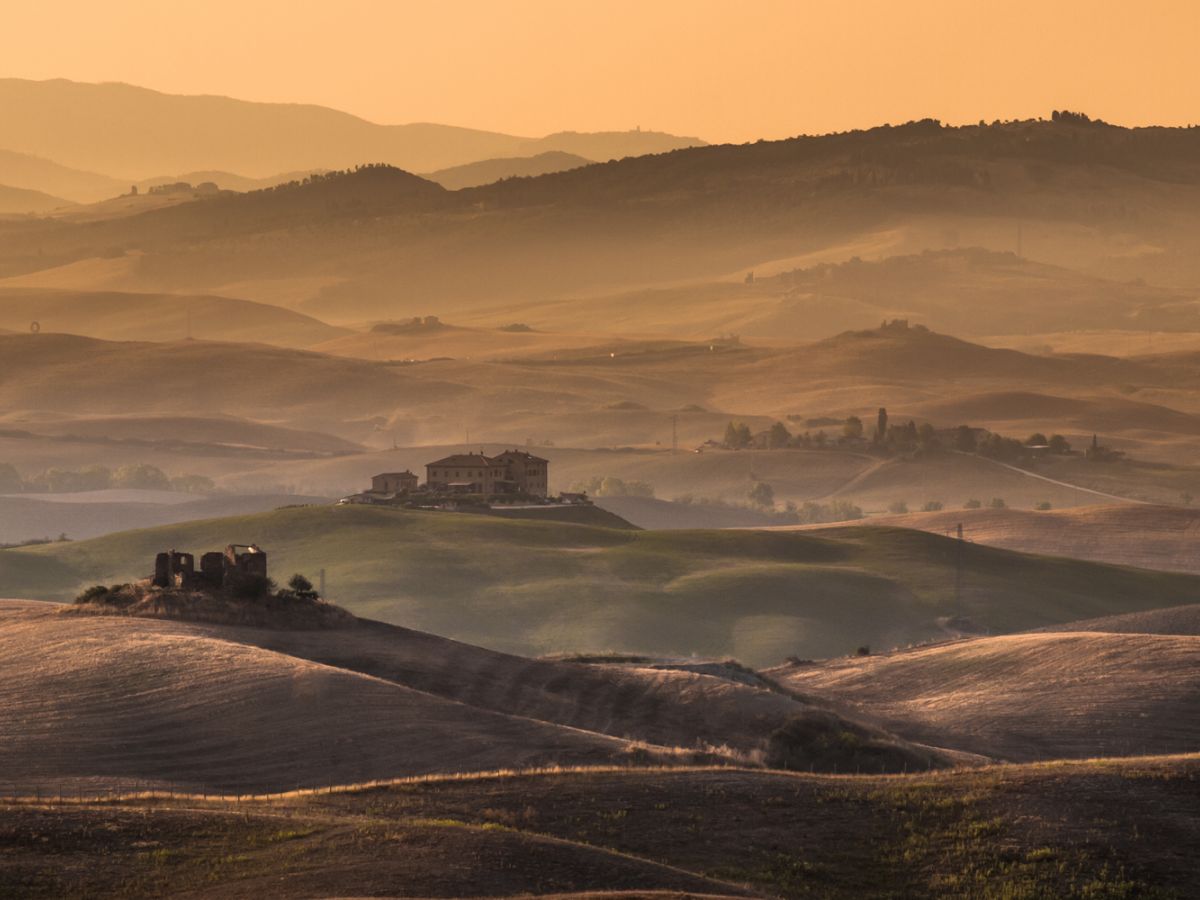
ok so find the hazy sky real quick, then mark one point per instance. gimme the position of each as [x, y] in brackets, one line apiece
[719, 70]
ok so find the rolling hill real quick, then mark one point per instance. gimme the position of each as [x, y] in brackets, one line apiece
[1034, 830]
[23, 201]
[114, 316]
[70, 374]
[485, 171]
[131, 131]
[1152, 537]
[1026, 696]
[1105, 201]
[22, 170]
[434, 706]
[532, 586]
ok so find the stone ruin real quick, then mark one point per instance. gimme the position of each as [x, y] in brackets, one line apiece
[239, 563]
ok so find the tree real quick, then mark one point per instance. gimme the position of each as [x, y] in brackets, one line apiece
[1059, 445]
[881, 425]
[737, 435]
[997, 503]
[300, 588]
[10, 479]
[778, 436]
[973, 504]
[141, 477]
[762, 494]
[927, 437]
[193, 484]
[820, 439]
[1037, 439]
[853, 428]
[898, 507]
[964, 439]
[933, 506]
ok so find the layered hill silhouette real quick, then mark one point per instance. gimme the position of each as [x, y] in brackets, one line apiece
[1085, 196]
[133, 132]
[24, 170]
[531, 586]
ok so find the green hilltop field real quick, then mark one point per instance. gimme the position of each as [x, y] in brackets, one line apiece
[531, 586]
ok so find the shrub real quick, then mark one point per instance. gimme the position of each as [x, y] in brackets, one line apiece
[94, 594]
[1044, 505]
[933, 506]
[973, 504]
[864, 650]
[898, 507]
[997, 503]
[299, 588]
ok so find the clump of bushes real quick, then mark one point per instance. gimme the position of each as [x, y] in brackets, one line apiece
[821, 741]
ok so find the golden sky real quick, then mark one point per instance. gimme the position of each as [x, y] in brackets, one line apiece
[723, 71]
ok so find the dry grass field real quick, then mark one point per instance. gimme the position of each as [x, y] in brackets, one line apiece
[1014, 831]
[1027, 696]
[118, 700]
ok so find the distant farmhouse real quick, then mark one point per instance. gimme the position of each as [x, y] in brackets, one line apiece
[511, 476]
[394, 482]
[512, 472]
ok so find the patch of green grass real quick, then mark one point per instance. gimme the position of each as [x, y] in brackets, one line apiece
[536, 587]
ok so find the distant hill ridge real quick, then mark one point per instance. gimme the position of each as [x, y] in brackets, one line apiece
[131, 131]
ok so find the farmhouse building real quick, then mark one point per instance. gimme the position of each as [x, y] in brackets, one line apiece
[511, 472]
[394, 482]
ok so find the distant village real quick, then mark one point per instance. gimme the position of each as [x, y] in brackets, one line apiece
[466, 479]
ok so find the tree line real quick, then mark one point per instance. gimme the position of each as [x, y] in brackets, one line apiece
[138, 476]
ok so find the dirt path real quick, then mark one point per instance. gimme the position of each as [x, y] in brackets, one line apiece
[1065, 484]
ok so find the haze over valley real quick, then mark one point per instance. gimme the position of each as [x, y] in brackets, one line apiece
[565, 499]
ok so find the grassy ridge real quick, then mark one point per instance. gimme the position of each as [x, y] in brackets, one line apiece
[530, 586]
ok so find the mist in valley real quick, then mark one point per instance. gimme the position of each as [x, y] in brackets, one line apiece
[592, 491]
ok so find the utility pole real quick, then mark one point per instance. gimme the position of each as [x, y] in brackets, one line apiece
[958, 570]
